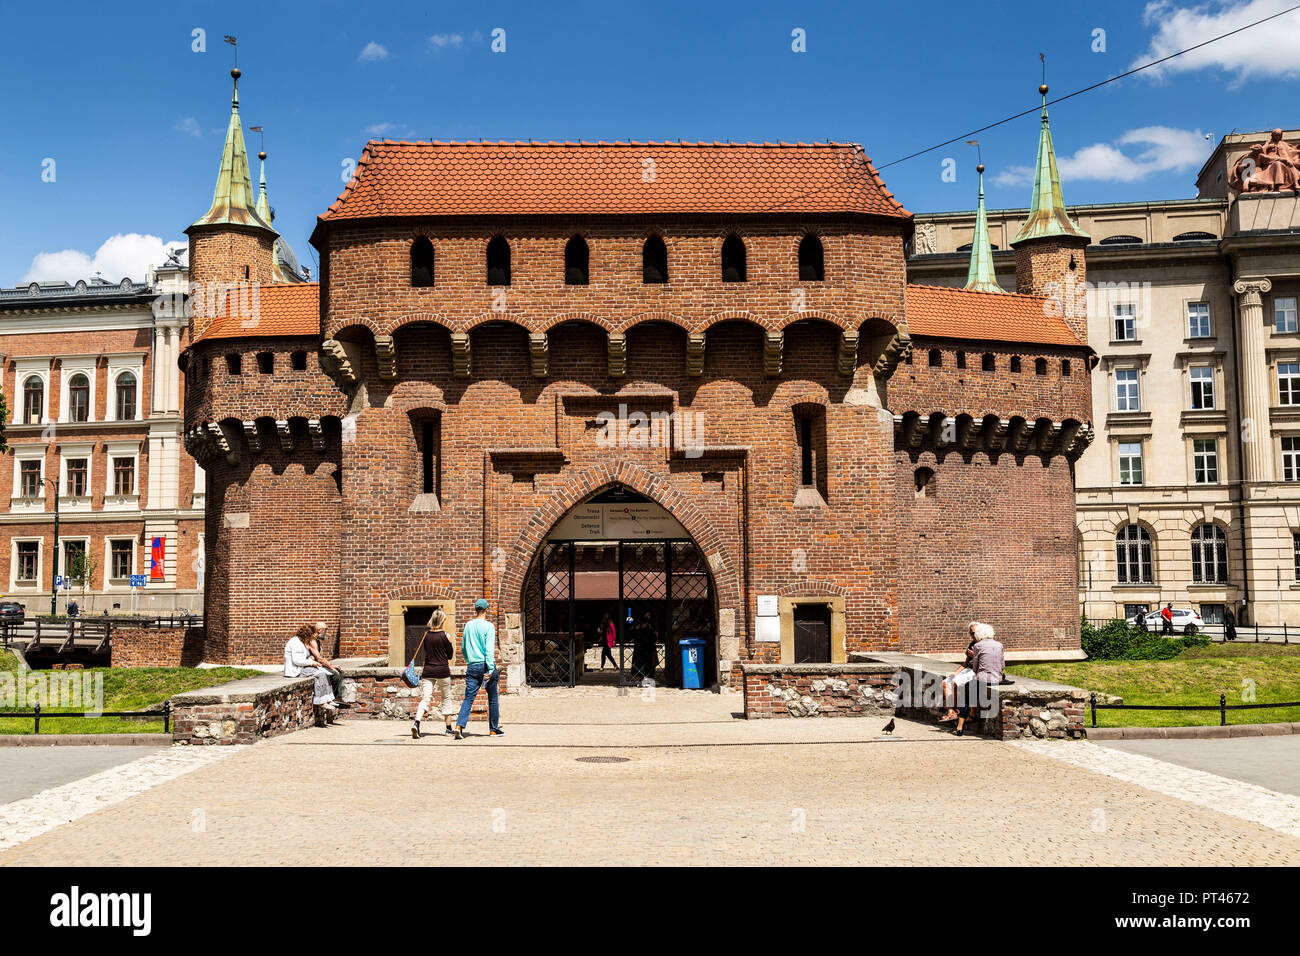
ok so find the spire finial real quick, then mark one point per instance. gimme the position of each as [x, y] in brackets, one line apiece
[1047, 214]
[980, 277]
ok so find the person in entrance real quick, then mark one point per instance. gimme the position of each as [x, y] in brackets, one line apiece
[478, 644]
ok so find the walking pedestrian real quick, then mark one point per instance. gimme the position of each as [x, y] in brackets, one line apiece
[1167, 615]
[478, 645]
[608, 635]
[1229, 624]
[438, 652]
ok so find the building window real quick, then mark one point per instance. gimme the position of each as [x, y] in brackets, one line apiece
[498, 261]
[29, 478]
[234, 363]
[76, 486]
[1295, 548]
[812, 260]
[810, 437]
[428, 438]
[1202, 387]
[1209, 555]
[121, 554]
[123, 476]
[422, 262]
[1205, 461]
[75, 563]
[733, 259]
[577, 258]
[79, 398]
[987, 362]
[266, 362]
[1290, 458]
[1284, 319]
[29, 560]
[936, 358]
[654, 261]
[298, 361]
[1065, 368]
[1288, 383]
[125, 396]
[1198, 320]
[1133, 555]
[1040, 366]
[1127, 396]
[961, 359]
[1125, 323]
[33, 399]
[926, 485]
[1015, 363]
[1130, 463]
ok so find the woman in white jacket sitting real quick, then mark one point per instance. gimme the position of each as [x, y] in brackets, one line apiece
[298, 662]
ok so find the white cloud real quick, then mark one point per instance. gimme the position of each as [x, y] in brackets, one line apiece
[373, 51]
[1269, 50]
[1165, 150]
[189, 125]
[442, 40]
[379, 129]
[121, 256]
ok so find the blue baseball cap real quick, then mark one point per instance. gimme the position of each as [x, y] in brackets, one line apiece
[481, 604]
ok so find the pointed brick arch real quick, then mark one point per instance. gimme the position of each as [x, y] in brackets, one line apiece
[579, 487]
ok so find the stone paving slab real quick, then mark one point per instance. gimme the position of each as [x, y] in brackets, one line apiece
[694, 785]
[27, 772]
[1271, 762]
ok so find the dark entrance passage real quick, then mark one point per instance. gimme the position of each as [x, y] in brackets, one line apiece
[812, 634]
[614, 611]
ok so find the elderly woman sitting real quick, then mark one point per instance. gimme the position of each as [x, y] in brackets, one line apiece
[298, 662]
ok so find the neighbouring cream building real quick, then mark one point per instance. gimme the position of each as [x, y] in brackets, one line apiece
[1191, 492]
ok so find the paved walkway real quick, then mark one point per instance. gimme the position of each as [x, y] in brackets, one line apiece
[1272, 762]
[28, 770]
[673, 780]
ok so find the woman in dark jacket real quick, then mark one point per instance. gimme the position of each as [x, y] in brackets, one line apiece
[438, 652]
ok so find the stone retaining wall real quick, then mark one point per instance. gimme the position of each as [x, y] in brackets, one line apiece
[244, 711]
[817, 690]
[156, 646]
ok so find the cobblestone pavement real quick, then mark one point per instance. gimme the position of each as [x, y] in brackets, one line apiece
[1272, 762]
[689, 784]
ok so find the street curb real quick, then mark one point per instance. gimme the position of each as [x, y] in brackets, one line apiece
[1193, 733]
[85, 740]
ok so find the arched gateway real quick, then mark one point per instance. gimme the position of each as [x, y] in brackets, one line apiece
[617, 576]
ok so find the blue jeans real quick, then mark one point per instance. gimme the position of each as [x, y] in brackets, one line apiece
[476, 676]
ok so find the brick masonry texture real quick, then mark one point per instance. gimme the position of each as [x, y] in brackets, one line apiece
[157, 647]
[830, 691]
[337, 531]
[268, 714]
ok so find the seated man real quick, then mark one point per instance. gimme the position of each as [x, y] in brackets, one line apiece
[298, 663]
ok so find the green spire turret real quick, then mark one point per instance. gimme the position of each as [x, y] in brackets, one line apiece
[981, 277]
[263, 204]
[232, 199]
[1047, 215]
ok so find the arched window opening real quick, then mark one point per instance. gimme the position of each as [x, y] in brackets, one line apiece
[1120, 241]
[125, 397]
[498, 261]
[733, 259]
[654, 261]
[33, 399]
[577, 257]
[812, 260]
[422, 262]
[926, 484]
[1065, 368]
[987, 363]
[1209, 555]
[1015, 363]
[79, 398]
[1040, 366]
[1133, 555]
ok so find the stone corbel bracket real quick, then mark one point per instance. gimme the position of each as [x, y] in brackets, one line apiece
[460, 354]
[223, 444]
[317, 434]
[847, 358]
[386, 356]
[773, 353]
[695, 353]
[285, 433]
[539, 353]
[337, 363]
[895, 350]
[1017, 435]
[252, 437]
[617, 354]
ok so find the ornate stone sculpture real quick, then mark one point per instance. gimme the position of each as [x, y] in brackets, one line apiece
[923, 240]
[1268, 167]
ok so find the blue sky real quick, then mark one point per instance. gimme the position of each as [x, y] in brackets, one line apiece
[133, 118]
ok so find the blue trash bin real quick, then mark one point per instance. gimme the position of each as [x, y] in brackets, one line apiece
[692, 662]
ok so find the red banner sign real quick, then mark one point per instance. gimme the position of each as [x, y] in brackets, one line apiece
[156, 558]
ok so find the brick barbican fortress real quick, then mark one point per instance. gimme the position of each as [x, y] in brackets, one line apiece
[871, 464]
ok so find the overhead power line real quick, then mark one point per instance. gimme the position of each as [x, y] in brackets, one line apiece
[1087, 89]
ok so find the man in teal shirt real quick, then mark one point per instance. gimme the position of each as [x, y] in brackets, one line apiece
[478, 644]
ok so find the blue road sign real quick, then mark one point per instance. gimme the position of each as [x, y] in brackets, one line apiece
[139, 580]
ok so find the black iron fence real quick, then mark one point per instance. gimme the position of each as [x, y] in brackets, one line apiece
[1222, 707]
[94, 633]
[1242, 633]
[35, 715]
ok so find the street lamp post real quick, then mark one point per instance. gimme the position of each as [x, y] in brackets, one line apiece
[54, 587]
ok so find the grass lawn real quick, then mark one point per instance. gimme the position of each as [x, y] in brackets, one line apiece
[125, 688]
[1197, 676]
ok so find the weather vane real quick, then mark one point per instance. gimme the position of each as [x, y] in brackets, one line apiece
[233, 41]
[979, 156]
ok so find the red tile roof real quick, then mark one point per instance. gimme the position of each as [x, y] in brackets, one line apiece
[292, 308]
[453, 179]
[950, 313]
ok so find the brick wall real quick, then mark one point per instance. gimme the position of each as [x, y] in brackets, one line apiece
[156, 647]
[1043, 267]
[814, 690]
[220, 255]
[212, 721]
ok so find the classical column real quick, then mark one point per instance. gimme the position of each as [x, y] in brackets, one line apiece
[1254, 400]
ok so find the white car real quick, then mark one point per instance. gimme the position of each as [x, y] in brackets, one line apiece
[1186, 621]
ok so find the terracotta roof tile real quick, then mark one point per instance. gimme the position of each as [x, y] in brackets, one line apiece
[280, 309]
[535, 178]
[950, 313]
